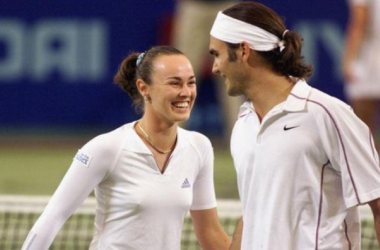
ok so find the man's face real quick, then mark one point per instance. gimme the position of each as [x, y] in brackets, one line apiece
[226, 63]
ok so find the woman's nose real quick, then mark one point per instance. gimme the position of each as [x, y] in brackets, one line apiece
[185, 91]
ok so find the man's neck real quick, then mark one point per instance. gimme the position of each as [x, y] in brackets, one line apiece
[268, 92]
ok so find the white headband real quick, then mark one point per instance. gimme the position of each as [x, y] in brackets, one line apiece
[231, 30]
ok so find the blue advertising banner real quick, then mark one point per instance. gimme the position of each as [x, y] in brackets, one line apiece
[58, 58]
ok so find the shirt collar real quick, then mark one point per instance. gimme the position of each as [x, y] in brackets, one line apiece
[135, 144]
[296, 101]
[297, 98]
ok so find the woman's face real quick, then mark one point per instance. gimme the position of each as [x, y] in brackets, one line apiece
[172, 93]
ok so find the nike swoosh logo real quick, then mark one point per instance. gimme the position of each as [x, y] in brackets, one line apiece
[287, 128]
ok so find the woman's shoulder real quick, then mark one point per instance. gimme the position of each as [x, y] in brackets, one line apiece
[195, 138]
[109, 141]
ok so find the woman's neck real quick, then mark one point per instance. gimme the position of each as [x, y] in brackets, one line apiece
[162, 135]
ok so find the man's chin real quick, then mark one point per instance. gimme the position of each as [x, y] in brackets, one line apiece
[232, 92]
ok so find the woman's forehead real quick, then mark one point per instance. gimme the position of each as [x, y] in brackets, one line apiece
[172, 64]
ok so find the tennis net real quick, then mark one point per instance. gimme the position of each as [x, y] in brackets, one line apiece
[18, 214]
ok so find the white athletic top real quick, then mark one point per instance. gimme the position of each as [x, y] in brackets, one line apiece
[138, 207]
[302, 171]
[367, 66]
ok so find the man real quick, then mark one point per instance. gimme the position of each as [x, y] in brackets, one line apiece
[304, 160]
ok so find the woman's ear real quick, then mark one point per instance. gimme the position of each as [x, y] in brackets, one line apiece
[142, 87]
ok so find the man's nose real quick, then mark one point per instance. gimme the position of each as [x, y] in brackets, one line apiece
[215, 68]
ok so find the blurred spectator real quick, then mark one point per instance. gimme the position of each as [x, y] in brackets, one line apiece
[191, 34]
[361, 62]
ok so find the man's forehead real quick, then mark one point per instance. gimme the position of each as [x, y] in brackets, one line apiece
[216, 44]
[214, 40]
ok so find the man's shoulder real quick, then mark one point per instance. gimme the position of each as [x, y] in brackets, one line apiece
[326, 100]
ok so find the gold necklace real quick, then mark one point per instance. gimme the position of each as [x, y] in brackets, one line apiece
[151, 142]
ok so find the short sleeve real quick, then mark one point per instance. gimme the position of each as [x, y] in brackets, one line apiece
[203, 190]
[359, 2]
[350, 149]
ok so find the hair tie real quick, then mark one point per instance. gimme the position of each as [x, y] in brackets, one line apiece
[281, 44]
[284, 33]
[139, 58]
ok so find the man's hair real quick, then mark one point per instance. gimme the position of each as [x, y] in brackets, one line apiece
[289, 61]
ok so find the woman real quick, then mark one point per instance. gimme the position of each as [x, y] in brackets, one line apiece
[361, 62]
[146, 174]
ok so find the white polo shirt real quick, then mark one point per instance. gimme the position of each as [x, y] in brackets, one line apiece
[138, 207]
[302, 171]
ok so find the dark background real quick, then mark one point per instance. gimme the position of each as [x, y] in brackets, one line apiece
[58, 58]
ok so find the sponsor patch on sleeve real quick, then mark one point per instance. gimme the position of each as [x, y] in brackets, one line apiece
[85, 159]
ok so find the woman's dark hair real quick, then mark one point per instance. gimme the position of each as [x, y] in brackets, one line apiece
[289, 61]
[129, 71]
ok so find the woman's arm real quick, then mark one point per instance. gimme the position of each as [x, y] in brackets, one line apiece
[209, 231]
[358, 19]
[236, 240]
[90, 165]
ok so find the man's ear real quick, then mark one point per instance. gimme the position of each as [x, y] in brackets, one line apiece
[245, 51]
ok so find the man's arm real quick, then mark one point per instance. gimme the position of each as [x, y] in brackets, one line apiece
[209, 231]
[236, 240]
[375, 207]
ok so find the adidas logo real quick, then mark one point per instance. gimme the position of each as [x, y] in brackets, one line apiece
[186, 184]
